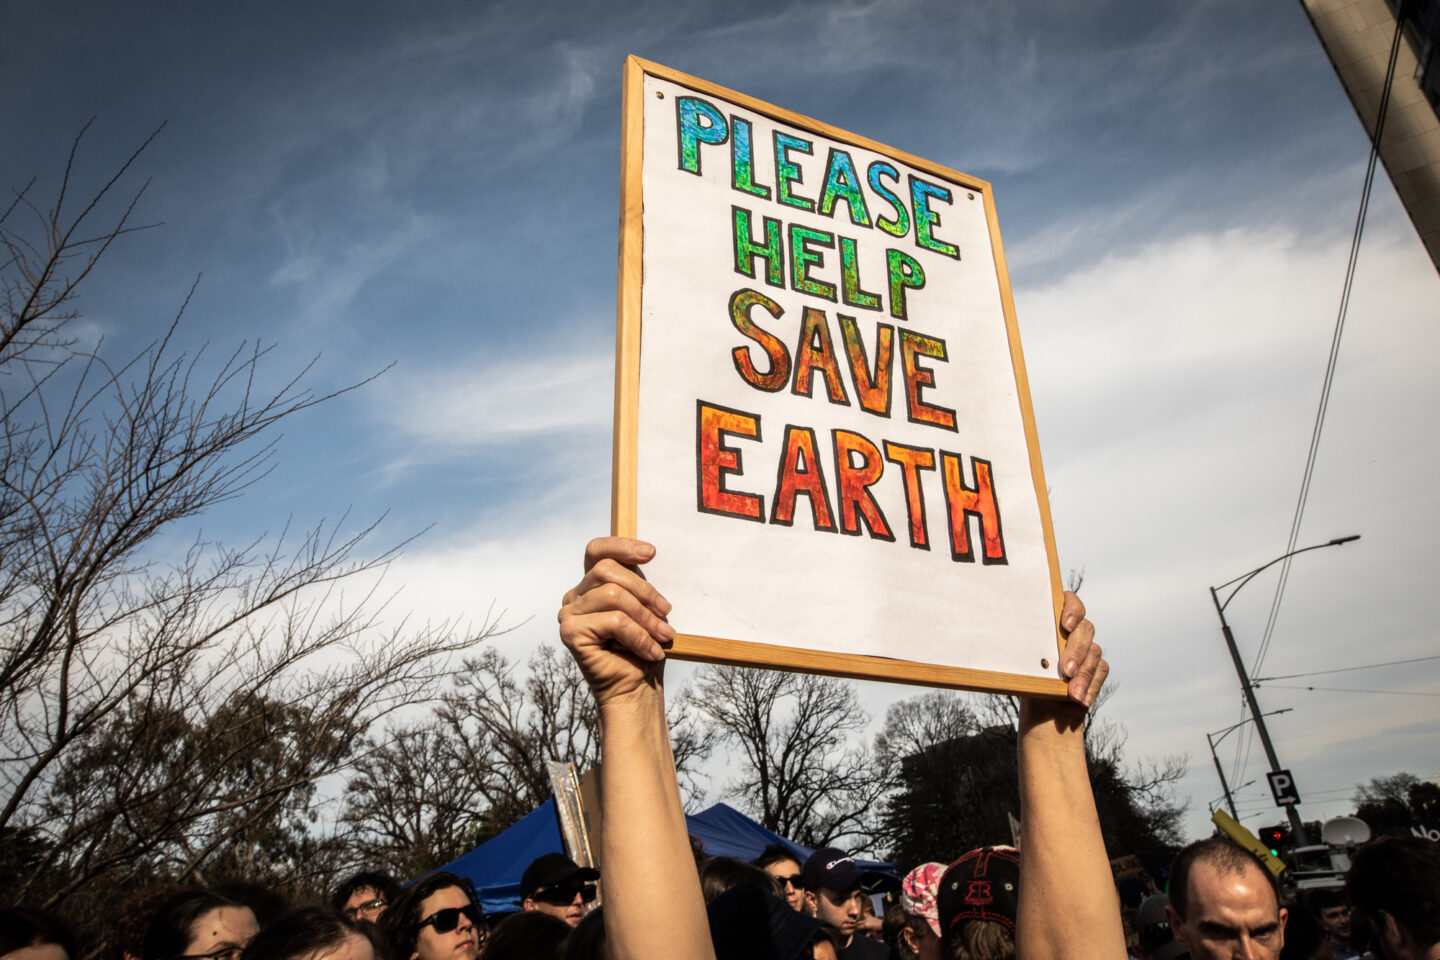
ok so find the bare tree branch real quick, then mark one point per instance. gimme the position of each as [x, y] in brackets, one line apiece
[162, 713]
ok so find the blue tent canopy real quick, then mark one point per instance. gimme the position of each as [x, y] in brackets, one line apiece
[495, 866]
[726, 832]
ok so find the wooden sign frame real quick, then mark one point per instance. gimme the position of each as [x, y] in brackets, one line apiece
[627, 396]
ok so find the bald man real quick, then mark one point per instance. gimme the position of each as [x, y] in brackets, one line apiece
[1224, 904]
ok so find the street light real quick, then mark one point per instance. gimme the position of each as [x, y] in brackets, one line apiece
[1214, 738]
[1212, 803]
[1297, 829]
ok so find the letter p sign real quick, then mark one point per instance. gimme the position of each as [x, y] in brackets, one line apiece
[1282, 785]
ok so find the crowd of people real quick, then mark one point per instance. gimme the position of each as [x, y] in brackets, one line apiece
[663, 899]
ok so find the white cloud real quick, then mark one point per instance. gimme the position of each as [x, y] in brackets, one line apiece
[1175, 390]
[484, 401]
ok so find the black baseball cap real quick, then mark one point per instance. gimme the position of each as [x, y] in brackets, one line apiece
[832, 868]
[982, 885]
[551, 870]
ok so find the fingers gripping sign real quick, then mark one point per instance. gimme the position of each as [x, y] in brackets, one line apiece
[1081, 662]
[613, 620]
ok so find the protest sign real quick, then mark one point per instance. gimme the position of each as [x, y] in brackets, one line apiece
[822, 417]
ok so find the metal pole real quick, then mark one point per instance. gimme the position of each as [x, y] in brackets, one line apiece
[1297, 829]
[1229, 800]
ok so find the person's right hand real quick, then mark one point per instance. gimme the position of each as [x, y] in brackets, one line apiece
[612, 621]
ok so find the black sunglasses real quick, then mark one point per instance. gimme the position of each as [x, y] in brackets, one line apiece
[564, 895]
[790, 881]
[448, 919]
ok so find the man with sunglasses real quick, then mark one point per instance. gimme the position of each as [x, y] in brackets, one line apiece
[557, 885]
[781, 864]
[436, 918]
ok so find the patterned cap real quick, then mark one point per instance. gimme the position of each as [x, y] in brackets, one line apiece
[917, 893]
[982, 885]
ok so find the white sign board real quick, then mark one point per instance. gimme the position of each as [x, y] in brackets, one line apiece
[823, 422]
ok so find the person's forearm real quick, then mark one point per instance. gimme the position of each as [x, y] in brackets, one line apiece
[1068, 907]
[645, 858]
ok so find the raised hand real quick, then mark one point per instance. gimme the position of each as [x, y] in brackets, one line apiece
[1081, 662]
[613, 620]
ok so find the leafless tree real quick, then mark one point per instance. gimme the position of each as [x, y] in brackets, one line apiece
[1394, 788]
[806, 772]
[425, 793]
[509, 726]
[156, 710]
[413, 801]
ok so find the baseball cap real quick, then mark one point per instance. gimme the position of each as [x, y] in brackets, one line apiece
[1153, 928]
[551, 869]
[917, 893]
[984, 884]
[830, 867]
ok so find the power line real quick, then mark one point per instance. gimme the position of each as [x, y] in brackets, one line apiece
[1394, 693]
[1363, 666]
[1334, 348]
[1241, 742]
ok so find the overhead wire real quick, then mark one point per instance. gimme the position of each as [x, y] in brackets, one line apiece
[1334, 347]
[1363, 666]
[1236, 765]
[1392, 693]
[1249, 738]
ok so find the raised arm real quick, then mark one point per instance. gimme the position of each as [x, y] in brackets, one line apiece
[1068, 907]
[613, 623]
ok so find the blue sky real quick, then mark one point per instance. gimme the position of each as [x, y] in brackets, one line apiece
[383, 184]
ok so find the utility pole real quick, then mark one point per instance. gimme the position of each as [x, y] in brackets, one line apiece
[1215, 738]
[1229, 800]
[1296, 827]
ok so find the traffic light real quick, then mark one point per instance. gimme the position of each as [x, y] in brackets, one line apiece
[1276, 838]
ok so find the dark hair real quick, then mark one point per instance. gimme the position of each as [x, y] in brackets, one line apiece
[1303, 934]
[1223, 856]
[894, 925]
[774, 853]
[307, 930]
[382, 883]
[747, 921]
[1323, 898]
[587, 941]
[267, 903]
[981, 940]
[401, 922]
[697, 850]
[1400, 875]
[169, 932]
[21, 927]
[718, 874]
[132, 919]
[529, 935]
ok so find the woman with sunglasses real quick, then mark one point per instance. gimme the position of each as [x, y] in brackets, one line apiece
[436, 918]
